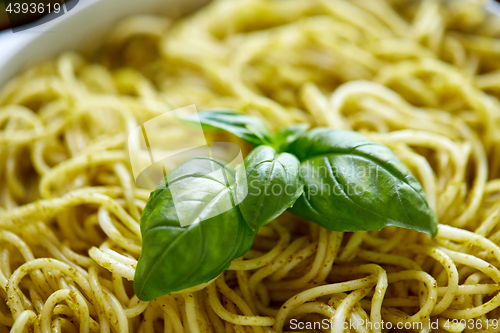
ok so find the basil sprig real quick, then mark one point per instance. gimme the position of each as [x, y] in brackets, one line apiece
[337, 179]
[251, 129]
[285, 136]
[174, 258]
[353, 184]
[273, 185]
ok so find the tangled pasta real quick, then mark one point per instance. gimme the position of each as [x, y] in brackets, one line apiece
[421, 77]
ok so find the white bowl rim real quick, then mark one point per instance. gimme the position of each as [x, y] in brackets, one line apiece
[65, 33]
[32, 45]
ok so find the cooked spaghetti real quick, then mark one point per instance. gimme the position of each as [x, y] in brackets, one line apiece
[420, 77]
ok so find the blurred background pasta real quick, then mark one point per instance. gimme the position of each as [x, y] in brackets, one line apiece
[422, 77]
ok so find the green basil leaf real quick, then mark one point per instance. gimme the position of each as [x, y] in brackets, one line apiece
[249, 128]
[284, 137]
[173, 257]
[354, 184]
[273, 185]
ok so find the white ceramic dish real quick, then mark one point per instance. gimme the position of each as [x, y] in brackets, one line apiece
[85, 24]
[77, 30]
